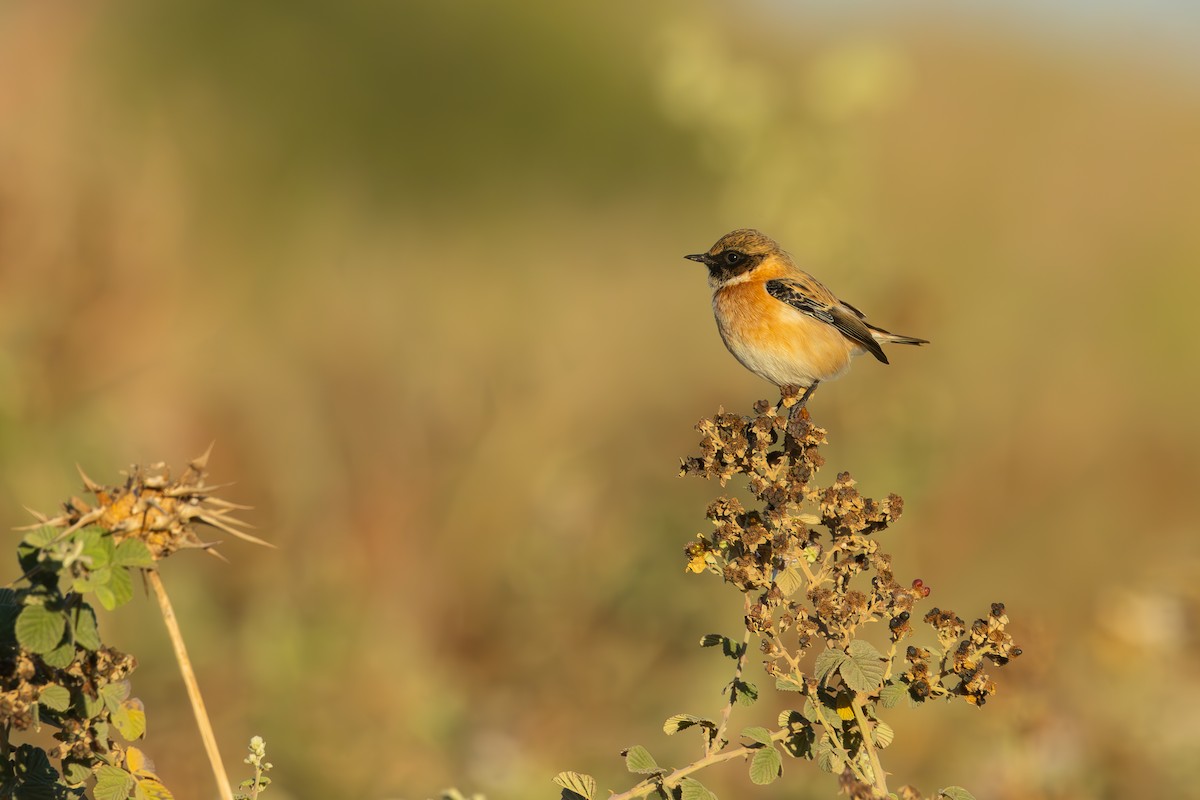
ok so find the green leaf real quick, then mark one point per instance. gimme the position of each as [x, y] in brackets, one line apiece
[956, 793]
[729, 648]
[40, 537]
[91, 580]
[75, 773]
[119, 590]
[113, 694]
[883, 734]
[829, 759]
[894, 694]
[790, 718]
[133, 553]
[785, 684]
[827, 663]
[61, 656]
[789, 581]
[680, 722]
[638, 759]
[744, 693]
[38, 780]
[863, 669]
[55, 697]
[83, 624]
[39, 629]
[98, 547]
[90, 707]
[113, 783]
[130, 720]
[800, 744]
[577, 784]
[766, 766]
[692, 789]
[758, 734]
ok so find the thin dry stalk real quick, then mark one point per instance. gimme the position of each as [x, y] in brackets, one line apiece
[193, 688]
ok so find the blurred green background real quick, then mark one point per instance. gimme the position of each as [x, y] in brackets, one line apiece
[416, 269]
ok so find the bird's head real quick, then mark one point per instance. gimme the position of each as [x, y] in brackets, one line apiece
[736, 255]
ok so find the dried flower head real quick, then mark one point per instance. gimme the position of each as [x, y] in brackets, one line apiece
[154, 508]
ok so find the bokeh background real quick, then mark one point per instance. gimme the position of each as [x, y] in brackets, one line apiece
[415, 268]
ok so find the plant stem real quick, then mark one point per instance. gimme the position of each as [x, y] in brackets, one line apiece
[868, 737]
[733, 689]
[193, 688]
[651, 784]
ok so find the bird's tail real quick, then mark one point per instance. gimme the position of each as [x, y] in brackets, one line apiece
[887, 337]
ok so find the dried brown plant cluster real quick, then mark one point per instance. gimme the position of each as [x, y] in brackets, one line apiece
[814, 578]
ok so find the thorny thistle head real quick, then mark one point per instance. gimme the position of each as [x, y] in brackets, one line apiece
[152, 507]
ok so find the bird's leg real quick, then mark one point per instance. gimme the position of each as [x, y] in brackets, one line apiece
[799, 407]
[807, 394]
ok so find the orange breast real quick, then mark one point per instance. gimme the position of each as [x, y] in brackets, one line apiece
[777, 342]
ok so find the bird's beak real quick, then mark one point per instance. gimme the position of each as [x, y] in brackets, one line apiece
[701, 257]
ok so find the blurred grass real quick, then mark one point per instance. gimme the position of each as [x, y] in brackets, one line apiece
[417, 271]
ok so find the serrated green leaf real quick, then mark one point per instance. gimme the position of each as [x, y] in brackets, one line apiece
[40, 629]
[679, 722]
[800, 744]
[55, 697]
[828, 758]
[113, 783]
[744, 693]
[759, 734]
[119, 590]
[40, 537]
[638, 759]
[956, 793]
[883, 734]
[827, 663]
[577, 783]
[863, 668]
[789, 581]
[810, 710]
[790, 718]
[787, 685]
[133, 553]
[712, 639]
[692, 789]
[38, 780]
[85, 628]
[894, 694]
[766, 766]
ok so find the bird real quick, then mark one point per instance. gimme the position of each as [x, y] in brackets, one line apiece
[781, 323]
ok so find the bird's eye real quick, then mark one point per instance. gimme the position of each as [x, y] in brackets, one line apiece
[733, 257]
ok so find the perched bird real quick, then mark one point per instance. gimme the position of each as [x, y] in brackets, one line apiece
[781, 323]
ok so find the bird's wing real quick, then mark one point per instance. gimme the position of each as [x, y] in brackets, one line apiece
[808, 296]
